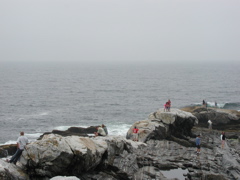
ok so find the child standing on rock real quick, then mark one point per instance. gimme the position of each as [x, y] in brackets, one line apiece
[198, 142]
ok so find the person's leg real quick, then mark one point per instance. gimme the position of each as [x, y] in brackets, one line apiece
[198, 148]
[15, 156]
[134, 136]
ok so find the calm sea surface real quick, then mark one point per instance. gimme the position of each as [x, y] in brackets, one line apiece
[40, 97]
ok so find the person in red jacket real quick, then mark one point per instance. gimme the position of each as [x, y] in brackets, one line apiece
[135, 134]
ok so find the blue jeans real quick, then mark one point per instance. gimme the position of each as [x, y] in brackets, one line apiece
[16, 156]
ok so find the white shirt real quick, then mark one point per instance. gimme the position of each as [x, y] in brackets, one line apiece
[209, 121]
[101, 131]
[22, 141]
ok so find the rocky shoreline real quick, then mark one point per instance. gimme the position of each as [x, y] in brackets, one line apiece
[166, 142]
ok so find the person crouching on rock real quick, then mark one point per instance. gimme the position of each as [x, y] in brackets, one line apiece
[198, 142]
[100, 132]
[135, 134]
[22, 141]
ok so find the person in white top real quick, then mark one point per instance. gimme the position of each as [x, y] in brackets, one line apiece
[209, 124]
[100, 132]
[22, 141]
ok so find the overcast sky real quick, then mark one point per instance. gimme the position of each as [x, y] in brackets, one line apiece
[120, 30]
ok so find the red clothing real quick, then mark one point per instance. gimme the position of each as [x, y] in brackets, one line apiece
[135, 130]
[167, 105]
[169, 102]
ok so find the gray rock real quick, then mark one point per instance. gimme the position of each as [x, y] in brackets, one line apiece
[54, 155]
[9, 171]
[72, 155]
[222, 119]
[162, 125]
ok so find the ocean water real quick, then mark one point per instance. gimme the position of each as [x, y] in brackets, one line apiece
[39, 97]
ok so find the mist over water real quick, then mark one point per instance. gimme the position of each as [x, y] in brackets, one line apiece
[40, 97]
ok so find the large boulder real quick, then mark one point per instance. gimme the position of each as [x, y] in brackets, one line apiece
[55, 155]
[164, 125]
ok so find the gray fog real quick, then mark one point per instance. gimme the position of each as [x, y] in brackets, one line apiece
[120, 30]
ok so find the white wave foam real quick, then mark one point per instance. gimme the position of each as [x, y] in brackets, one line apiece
[35, 135]
[211, 104]
[61, 128]
[118, 129]
[9, 142]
